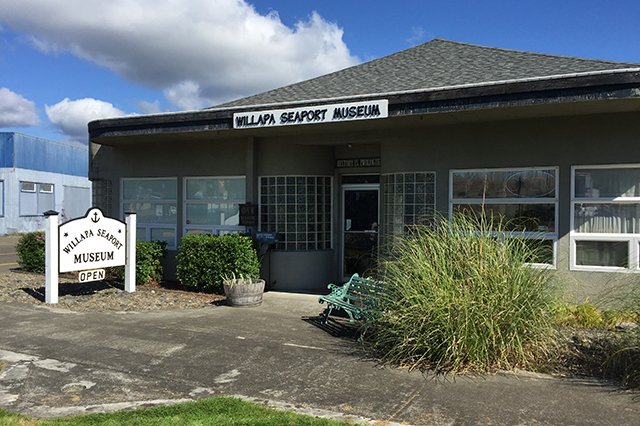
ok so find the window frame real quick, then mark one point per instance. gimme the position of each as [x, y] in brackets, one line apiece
[152, 225]
[533, 235]
[209, 229]
[633, 239]
[37, 189]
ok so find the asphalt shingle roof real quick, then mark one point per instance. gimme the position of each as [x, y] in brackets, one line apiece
[437, 63]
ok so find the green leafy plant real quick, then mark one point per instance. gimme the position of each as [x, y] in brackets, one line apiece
[204, 260]
[30, 249]
[149, 256]
[232, 279]
[460, 297]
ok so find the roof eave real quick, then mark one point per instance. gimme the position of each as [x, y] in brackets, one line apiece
[551, 86]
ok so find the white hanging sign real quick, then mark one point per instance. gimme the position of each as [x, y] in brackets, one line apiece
[92, 242]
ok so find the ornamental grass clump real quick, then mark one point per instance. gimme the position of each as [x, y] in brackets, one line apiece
[459, 297]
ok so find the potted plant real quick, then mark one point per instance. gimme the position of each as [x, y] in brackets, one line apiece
[243, 290]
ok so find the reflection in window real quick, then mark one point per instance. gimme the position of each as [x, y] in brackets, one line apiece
[155, 203]
[298, 208]
[212, 204]
[524, 201]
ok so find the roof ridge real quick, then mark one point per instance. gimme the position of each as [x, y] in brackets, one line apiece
[526, 52]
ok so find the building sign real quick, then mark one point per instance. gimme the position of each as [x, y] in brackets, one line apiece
[248, 214]
[358, 162]
[334, 113]
[92, 242]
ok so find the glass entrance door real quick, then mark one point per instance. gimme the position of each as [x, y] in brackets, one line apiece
[360, 208]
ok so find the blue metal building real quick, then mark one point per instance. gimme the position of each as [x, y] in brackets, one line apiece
[37, 175]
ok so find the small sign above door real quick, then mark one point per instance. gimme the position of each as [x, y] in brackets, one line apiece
[358, 162]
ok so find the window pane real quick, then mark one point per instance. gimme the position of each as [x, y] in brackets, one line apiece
[28, 204]
[216, 189]
[46, 187]
[212, 214]
[505, 184]
[164, 234]
[151, 212]
[141, 234]
[618, 182]
[607, 218]
[45, 202]
[602, 253]
[27, 187]
[150, 189]
[541, 251]
[515, 217]
[199, 231]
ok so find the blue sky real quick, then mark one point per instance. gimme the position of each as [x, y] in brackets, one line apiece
[65, 63]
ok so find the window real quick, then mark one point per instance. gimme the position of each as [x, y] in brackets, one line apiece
[299, 209]
[525, 199]
[36, 198]
[1, 198]
[155, 203]
[407, 199]
[212, 204]
[605, 218]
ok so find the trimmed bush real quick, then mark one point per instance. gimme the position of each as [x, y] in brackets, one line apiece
[148, 263]
[30, 249]
[203, 260]
[459, 298]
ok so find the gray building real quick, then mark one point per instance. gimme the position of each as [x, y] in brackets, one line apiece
[337, 164]
[37, 175]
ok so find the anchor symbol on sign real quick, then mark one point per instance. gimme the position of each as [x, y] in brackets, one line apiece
[95, 218]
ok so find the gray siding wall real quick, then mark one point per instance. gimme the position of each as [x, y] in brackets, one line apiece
[402, 146]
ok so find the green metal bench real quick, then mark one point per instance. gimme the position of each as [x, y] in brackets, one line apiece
[356, 297]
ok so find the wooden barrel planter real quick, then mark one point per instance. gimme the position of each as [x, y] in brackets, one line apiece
[244, 294]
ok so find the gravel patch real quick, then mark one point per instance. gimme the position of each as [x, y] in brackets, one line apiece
[23, 287]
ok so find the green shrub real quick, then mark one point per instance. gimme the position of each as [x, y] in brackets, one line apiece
[203, 260]
[30, 249]
[458, 298]
[148, 263]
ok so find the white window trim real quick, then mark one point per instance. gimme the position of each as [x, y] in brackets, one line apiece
[41, 190]
[633, 239]
[213, 229]
[148, 226]
[552, 236]
[22, 189]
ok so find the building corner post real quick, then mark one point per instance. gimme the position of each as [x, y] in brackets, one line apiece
[130, 265]
[51, 256]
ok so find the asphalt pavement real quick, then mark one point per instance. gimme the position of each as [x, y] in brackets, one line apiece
[8, 256]
[57, 362]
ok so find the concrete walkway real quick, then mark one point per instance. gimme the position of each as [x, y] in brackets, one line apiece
[57, 362]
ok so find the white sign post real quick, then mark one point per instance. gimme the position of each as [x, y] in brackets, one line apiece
[51, 256]
[130, 267]
[88, 244]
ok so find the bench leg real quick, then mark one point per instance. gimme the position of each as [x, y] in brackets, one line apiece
[326, 313]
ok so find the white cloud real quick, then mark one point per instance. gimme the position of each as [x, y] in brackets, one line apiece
[16, 110]
[198, 51]
[147, 107]
[72, 117]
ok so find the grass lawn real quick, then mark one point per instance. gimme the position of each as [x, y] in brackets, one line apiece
[212, 411]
